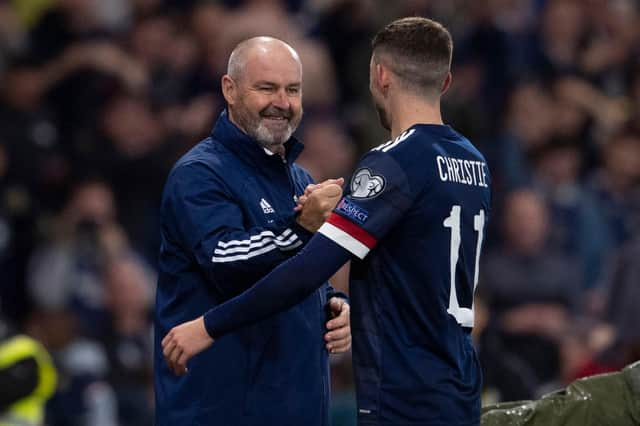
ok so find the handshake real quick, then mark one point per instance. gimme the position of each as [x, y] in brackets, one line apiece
[317, 202]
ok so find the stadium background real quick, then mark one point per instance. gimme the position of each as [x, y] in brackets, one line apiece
[99, 98]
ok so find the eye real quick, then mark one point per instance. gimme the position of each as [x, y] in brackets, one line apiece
[266, 89]
[293, 90]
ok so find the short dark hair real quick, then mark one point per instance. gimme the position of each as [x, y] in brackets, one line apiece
[418, 50]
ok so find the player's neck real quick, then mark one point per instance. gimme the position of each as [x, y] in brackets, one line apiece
[406, 112]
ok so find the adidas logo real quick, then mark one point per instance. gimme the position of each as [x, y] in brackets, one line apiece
[266, 207]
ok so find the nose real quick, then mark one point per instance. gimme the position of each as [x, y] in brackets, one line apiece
[281, 100]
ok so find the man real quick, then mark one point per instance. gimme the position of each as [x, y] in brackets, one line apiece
[228, 218]
[418, 207]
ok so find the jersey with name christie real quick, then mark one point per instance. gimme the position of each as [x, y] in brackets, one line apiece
[420, 203]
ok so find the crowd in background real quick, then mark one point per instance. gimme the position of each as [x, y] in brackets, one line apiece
[99, 98]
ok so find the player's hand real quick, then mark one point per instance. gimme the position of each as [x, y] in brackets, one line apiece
[338, 336]
[318, 206]
[314, 187]
[183, 342]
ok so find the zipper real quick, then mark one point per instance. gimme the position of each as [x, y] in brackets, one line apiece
[292, 185]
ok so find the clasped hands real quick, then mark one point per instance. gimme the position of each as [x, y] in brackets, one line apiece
[317, 202]
[190, 338]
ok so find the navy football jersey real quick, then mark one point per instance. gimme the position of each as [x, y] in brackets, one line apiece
[415, 216]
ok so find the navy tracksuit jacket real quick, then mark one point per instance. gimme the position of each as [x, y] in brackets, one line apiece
[227, 220]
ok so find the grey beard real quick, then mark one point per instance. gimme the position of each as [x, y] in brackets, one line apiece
[266, 139]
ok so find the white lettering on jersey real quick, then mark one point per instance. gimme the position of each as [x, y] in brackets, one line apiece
[466, 172]
[385, 147]
[439, 161]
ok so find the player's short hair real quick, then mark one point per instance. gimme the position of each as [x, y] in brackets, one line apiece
[418, 50]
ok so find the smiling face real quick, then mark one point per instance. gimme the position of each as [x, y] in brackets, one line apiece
[264, 95]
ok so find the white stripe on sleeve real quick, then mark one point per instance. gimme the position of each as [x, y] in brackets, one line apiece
[285, 234]
[283, 244]
[259, 244]
[344, 240]
[225, 259]
[297, 244]
[254, 246]
[252, 239]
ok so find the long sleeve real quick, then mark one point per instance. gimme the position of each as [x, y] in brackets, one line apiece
[287, 285]
[204, 218]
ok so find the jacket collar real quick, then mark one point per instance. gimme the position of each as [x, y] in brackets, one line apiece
[245, 147]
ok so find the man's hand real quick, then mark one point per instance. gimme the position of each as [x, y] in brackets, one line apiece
[339, 328]
[316, 203]
[183, 342]
[315, 186]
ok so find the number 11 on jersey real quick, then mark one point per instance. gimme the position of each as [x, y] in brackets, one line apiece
[464, 316]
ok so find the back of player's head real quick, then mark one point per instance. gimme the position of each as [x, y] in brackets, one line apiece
[417, 50]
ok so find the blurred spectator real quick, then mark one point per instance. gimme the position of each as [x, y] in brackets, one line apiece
[67, 271]
[616, 186]
[577, 225]
[463, 105]
[528, 125]
[610, 345]
[134, 140]
[83, 397]
[623, 301]
[67, 22]
[587, 350]
[562, 30]
[128, 341]
[607, 54]
[37, 167]
[488, 44]
[319, 87]
[608, 113]
[87, 282]
[256, 18]
[208, 22]
[328, 150]
[532, 291]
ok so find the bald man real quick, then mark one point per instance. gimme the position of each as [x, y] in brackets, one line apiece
[229, 216]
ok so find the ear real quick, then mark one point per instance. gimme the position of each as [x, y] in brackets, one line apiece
[229, 89]
[446, 84]
[383, 78]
